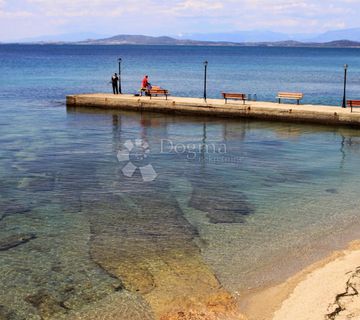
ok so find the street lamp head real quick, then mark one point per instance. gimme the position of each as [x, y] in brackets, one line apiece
[346, 66]
[119, 59]
[205, 63]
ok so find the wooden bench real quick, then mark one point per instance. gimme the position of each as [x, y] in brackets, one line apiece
[234, 96]
[146, 90]
[353, 103]
[157, 91]
[290, 96]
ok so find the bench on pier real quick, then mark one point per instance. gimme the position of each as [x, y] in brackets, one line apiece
[158, 91]
[234, 96]
[290, 96]
[353, 103]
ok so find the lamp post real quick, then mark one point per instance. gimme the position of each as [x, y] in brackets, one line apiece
[119, 60]
[205, 78]
[345, 79]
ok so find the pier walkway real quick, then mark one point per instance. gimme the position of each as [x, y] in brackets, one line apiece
[217, 107]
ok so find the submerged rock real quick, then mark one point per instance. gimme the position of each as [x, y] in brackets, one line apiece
[144, 240]
[16, 208]
[15, 240]
[126, 234]
[332, 190]
[10, 209]
[221, 205]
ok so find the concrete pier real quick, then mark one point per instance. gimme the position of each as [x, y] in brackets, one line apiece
[217, 107]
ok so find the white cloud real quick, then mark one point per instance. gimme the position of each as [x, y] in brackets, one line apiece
[81, 8]
[15, 14]
[200, 5]
[174, 17]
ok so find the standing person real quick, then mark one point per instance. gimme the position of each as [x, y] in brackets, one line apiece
[145, 84]
[114, 81]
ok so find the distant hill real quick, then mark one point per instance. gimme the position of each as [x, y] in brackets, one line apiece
[245, 36]
[349, 34]
[141, 40]
[339, 44]
[148, 40]
[165, 40]
[270, 36]
[331, 44]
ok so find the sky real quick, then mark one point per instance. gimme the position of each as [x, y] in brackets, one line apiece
[21, 19]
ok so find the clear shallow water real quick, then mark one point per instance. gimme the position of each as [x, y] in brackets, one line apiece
[241, 204]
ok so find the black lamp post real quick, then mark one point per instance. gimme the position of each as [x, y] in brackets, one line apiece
[119, 60]
[205, 78]
[345, 79]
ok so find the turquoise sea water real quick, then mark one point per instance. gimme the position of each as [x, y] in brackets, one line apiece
[248, 202]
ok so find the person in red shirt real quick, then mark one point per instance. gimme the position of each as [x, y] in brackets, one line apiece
[145, 82]
[145, 85]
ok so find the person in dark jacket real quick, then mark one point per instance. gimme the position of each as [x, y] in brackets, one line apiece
[114, 81]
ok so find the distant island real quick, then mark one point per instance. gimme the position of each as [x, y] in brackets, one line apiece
[165, 40]
[148, 40]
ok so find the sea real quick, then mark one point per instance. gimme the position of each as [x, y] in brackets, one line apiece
[124, 215]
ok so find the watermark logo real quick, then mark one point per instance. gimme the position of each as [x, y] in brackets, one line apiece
[191, 150]
[135, 156]
[209, 152]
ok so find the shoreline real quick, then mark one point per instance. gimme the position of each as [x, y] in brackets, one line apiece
[323, 290]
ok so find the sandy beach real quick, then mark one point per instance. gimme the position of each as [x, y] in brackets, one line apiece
[327, 289]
